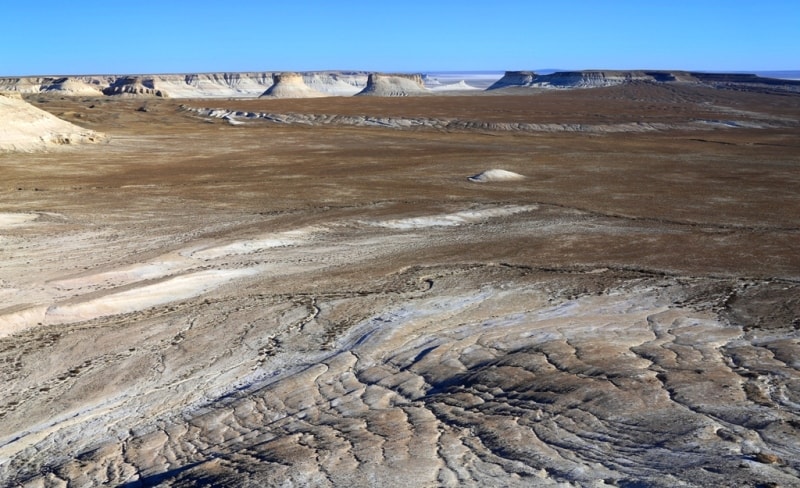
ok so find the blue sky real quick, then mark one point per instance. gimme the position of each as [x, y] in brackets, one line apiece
[178, 36]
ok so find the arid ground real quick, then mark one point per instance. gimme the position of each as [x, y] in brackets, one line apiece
[324, 298]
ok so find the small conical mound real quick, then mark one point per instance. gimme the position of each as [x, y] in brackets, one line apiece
[495, 175]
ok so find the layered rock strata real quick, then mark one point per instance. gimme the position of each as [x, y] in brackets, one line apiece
[133, 86]
[193, 85]
[290, 85]
[395, 85]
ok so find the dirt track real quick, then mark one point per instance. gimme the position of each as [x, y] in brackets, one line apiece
[195, 302]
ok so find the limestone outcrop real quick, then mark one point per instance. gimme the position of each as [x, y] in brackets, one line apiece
[133, 86]
[188, 85]
[74, 87]
[290, 85]
[393, 85]
[336, 82]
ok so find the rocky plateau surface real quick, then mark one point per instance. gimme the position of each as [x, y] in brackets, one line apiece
[194, 303]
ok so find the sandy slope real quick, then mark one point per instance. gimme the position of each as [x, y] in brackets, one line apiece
[24, 127]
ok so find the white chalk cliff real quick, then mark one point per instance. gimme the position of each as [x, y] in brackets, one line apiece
[290, 85]
[74, 87]
[395, 85]
[192, 85]
[132, 86]
[336, 83]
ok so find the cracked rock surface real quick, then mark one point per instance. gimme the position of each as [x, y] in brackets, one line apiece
[200, 304]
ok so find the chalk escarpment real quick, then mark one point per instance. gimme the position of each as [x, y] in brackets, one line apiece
[393, 85]
[290, 85]
[133, 86]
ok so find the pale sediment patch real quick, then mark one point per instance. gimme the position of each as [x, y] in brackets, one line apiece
[129, 274]
[181, 261]
[452, 219]
[143, 297]
[14, 219]
[20, 319]
[267, 241]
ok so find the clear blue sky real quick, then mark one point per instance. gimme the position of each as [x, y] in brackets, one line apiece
[178, 36]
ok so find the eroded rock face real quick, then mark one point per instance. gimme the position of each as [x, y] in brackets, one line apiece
[290, 85]
[73, 87]
[620, 379]
[393, 85]
[484, 374]
[134, 86]
[194, 85]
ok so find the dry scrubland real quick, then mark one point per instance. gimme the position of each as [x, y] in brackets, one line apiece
[319, 301]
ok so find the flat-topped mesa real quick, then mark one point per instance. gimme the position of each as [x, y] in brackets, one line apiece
[393, 85]
[569, 79]
[591, 79]
[741, 78]
[601, 78]
[514, 78]
[290, 85]
[134, 86]
[25, 128]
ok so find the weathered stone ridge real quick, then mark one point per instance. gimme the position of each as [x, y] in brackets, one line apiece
[190, 85]
[601, 78]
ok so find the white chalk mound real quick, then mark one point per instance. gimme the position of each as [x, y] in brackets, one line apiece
[495, 175]
[73, 87]
[403, 85]
[26, 128]
[290, 85]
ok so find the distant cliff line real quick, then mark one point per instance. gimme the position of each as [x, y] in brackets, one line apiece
[348, 83]
[600, 78]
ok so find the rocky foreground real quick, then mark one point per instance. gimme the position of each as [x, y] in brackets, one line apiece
[195, 303]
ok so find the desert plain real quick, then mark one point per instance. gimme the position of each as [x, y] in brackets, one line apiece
[313, 292]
